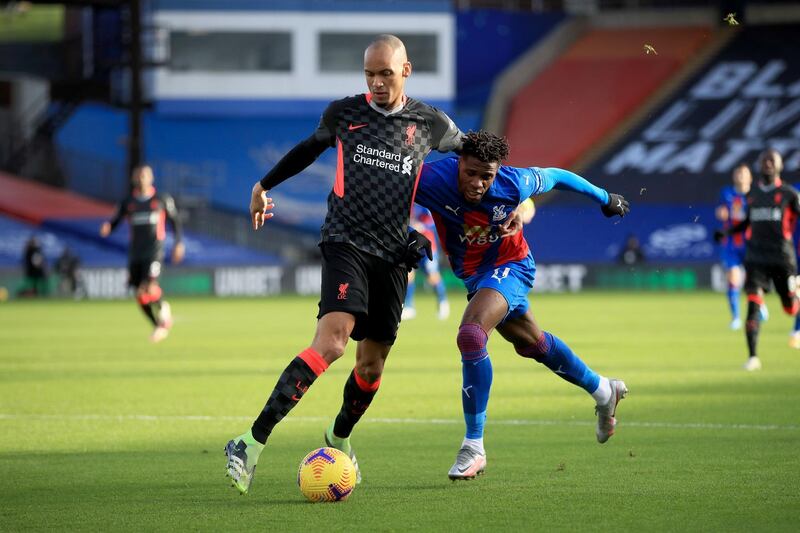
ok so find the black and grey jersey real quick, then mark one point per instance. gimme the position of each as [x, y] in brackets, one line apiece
[772, 214]
[379, 159]
[147, 217]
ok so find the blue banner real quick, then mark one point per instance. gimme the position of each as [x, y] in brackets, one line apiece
[746, 99]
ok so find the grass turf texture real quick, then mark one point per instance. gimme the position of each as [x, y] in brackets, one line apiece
[701, 443]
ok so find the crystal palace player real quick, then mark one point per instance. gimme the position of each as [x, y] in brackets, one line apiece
[471, 199]
[381, 139]
[731, 211]
[772, 209]
[147, 212]
[422, 221]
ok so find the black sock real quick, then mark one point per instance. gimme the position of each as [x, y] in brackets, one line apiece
[751, 327]
[293, 383]
[155, 306]
[148, 311]
[358, 394]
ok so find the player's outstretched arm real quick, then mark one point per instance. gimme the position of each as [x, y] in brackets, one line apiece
[739, 227]
[178, 251]
[107, 227]
[564, 180]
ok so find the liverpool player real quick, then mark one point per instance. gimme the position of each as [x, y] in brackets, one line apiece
[147, 213]
[381, 139]
[772, 209]
[472, 198]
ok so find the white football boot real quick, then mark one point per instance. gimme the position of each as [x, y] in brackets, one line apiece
[469, 463]
[605, 413]
[753, 363]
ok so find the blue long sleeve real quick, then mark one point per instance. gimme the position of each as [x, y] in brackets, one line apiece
[564, 180]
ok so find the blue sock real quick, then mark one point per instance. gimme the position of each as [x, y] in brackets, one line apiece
[554, 353]
[477, 382]
[733, 301]
[410, 295]
[441, 292]
[797, 322]
[476, 372]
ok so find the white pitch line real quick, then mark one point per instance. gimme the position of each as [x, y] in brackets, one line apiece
[425, 421]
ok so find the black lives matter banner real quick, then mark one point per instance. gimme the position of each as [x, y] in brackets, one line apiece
[747, 98]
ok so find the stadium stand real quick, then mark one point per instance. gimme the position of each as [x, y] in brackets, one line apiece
[602, 78]
[61, 218]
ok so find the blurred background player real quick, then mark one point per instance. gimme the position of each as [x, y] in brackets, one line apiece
[732, 209]
[472, 198]
[422, 221]
[147, 212]
[794, 335]
[34, 265]
[631, 253]
[66, 267]
[770, 256]
[365, 242]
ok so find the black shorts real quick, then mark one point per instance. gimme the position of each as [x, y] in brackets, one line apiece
[368, 287]
[759, 275]
[141, 270]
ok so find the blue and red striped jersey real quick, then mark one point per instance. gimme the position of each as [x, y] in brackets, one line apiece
[736, 205]
[469, 232]
[422, 221]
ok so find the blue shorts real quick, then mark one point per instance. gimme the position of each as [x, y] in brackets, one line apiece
[430, 266]
[732, 257]
[512, 280]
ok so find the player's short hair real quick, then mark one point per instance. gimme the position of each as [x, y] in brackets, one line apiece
[485, 146]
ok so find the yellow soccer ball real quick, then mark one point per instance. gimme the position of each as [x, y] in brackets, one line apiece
[326, 475]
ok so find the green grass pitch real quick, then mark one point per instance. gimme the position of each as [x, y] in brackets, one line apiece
[99, 430]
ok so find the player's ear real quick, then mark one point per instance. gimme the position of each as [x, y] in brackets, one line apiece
[406, 69]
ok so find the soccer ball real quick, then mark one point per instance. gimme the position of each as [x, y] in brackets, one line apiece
[326, 475]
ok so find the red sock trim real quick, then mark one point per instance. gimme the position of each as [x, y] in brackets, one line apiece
[365, 385]
[755, 298]
[155, 293]
[793, 309]
[314, 360]
[143, 299]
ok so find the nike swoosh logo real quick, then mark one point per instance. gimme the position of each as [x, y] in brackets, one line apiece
[352, 127]
[462, 470]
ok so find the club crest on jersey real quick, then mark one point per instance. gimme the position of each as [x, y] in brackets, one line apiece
[343, 291]
[498, 213]
[410, 131]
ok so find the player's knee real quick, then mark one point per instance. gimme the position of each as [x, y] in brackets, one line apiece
[471, 341]
[332, 349]
[537, 350]
[154, 290]
[369, 374]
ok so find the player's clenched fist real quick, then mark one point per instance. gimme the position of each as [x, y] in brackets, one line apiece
[260, 203]
[617, 205]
